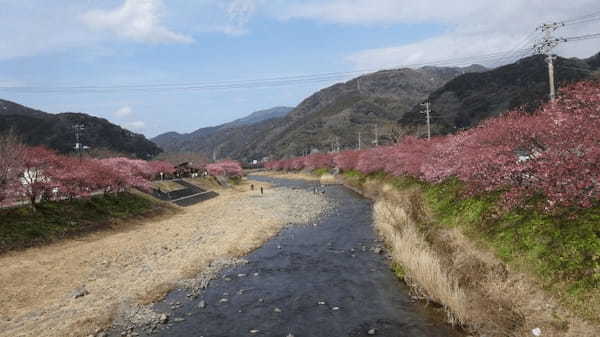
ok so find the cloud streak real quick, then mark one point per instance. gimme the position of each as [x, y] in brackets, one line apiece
[136, 125]
[138, 20]
[471, 27]
[123, 112]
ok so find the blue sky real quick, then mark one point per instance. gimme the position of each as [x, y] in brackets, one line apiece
[56, 47]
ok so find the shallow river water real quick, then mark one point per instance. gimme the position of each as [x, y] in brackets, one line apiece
[323, 280]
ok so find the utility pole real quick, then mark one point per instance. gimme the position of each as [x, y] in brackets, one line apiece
[78, 146]
[376, 141]
[545, 47]
[359, 142]
[427, 111]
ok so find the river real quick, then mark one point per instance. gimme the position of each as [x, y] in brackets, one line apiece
[316, 279]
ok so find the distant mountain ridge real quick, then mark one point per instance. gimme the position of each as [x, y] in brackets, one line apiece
[388, 104]
[177, 142]
[341, 111]
[468, 99]
[55, 131]
[262, 115]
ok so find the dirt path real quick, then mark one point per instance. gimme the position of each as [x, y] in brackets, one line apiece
[116, 271]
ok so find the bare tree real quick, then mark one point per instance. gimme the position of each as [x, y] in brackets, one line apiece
[12, 152]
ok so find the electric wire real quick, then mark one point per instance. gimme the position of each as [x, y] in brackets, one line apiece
[491, 60]
[253, 83]
[582, 19]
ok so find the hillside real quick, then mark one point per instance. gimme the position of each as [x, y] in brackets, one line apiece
[56, 131]
[342, 110]
[470, 98]
[387, 103]
[205, 139]
[262, 115]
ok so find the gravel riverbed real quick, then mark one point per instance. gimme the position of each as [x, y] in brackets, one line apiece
[80, 287]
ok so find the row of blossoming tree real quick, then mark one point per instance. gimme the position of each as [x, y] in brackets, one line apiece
[34, 174]
[227, 168]
[554, 152]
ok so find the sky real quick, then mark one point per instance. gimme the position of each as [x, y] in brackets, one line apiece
[154, 66]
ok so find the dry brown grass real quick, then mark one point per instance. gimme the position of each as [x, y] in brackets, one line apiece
[424, 270]
[477, 289]
[167, 186]
[207, 183]
[514, 290]
[328, 178]
[137, 265]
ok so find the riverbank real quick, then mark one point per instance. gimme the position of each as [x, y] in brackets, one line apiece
[327, 277]
[440, 249]
[78, 287]
[52, 221]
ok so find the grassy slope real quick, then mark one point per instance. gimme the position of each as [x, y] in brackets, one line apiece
[22, 227]
[561, 250]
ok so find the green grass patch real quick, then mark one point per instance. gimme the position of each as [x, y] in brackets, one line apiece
[399, 271]
[320, 172]
[55, 220]
[561, 249]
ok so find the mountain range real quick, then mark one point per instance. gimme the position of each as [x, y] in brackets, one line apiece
[376, 108]
[204, 140]
[333, 116]
[381, 107]
[466, 100]
[56, 131]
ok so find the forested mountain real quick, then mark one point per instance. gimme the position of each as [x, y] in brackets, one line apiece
[387, 104]
[470, 98]
[56, 131]
[205, 139]
[331, 117]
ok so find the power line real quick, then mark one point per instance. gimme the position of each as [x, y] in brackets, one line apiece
[582, 19]
[252, 83]
[582, 37]
[492, 59]
[520, 48]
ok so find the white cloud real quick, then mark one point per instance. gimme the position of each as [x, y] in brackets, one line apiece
[237, 15]
[472, 27]
[138, 20]
[136, 125]
[125, 111]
